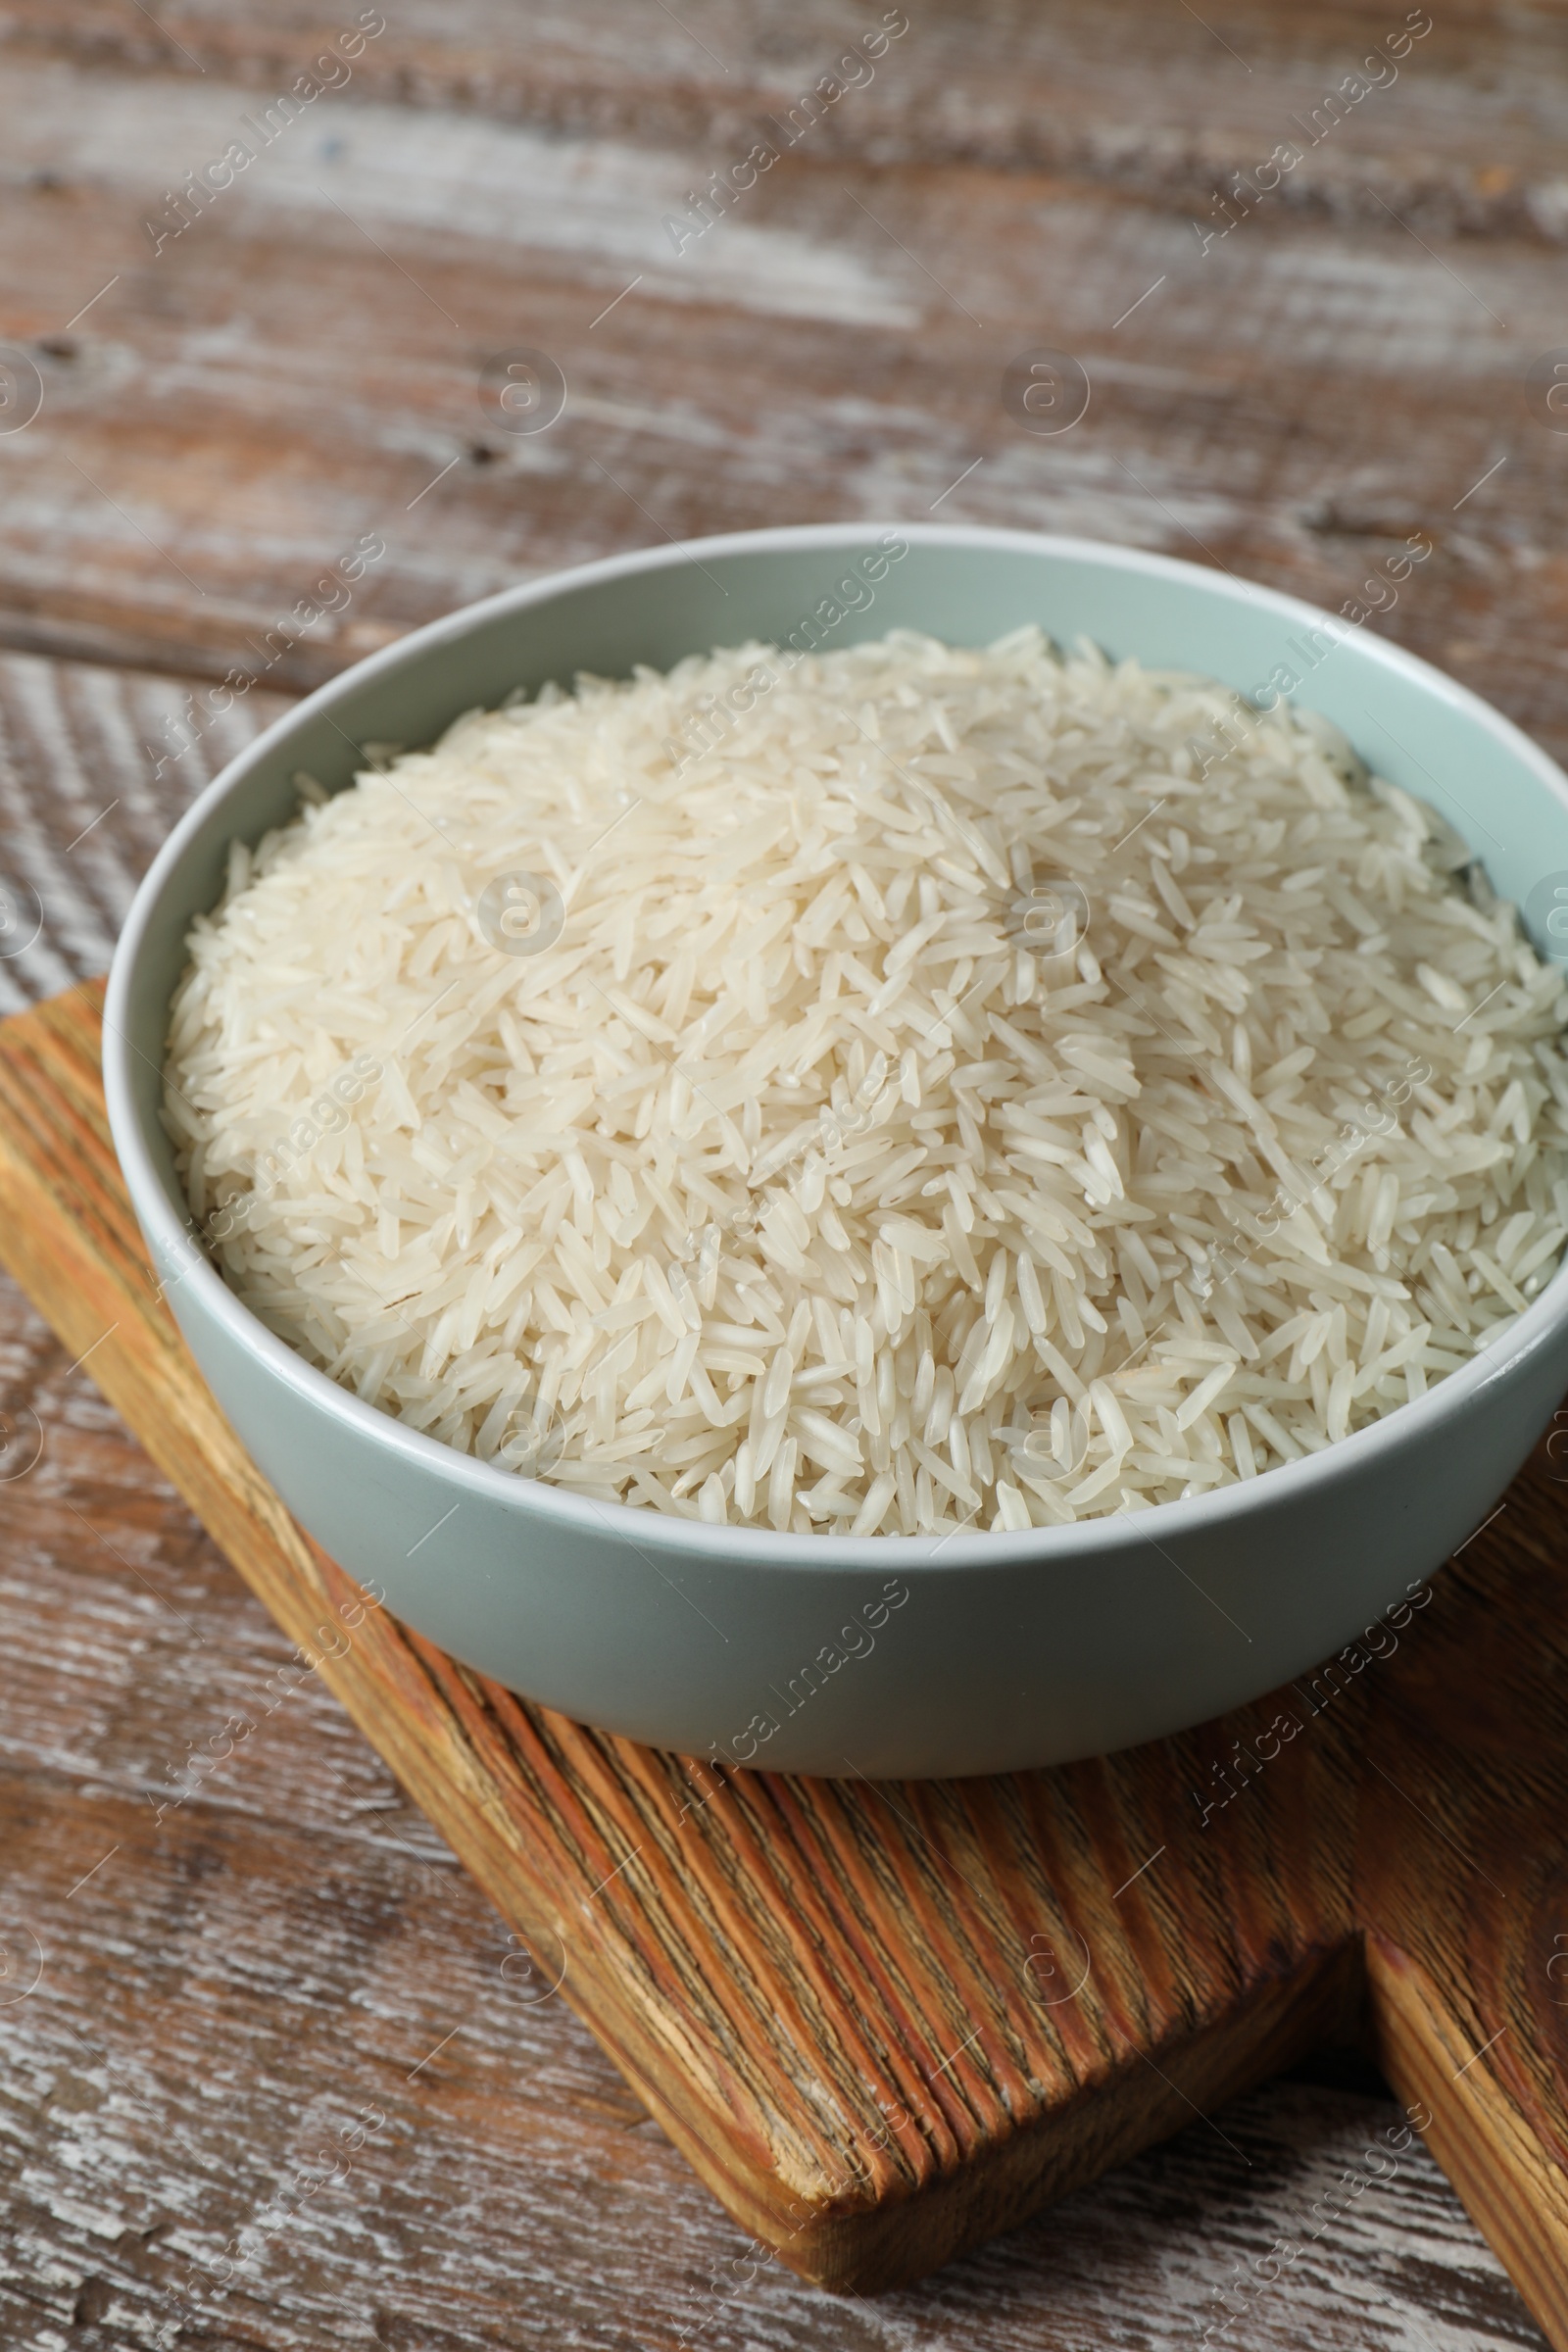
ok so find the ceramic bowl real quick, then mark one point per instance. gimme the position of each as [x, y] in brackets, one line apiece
[882, 1656]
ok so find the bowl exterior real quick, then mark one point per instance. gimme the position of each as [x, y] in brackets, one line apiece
[929, 1666]
[893, 1658]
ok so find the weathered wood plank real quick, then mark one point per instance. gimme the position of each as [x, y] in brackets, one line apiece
[1153, 103]
[1296, 400]
[300, 368]
[94, 766]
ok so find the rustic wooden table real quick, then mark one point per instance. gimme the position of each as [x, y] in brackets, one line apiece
[210, 394]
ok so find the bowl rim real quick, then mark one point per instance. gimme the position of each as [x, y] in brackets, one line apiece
[737, 1547]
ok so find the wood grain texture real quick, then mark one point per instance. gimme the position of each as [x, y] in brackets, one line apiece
[252, 400]
[89, 785]
[885, 2023]
[300, 366]
[1005, 88]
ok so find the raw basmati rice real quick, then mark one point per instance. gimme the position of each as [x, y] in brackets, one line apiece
[953, 1097]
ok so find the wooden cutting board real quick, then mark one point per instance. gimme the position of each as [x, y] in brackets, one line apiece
[885, 2021]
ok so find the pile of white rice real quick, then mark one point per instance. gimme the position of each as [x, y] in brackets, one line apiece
[945, 1104]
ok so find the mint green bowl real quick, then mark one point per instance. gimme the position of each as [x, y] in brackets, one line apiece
[885, 1655]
